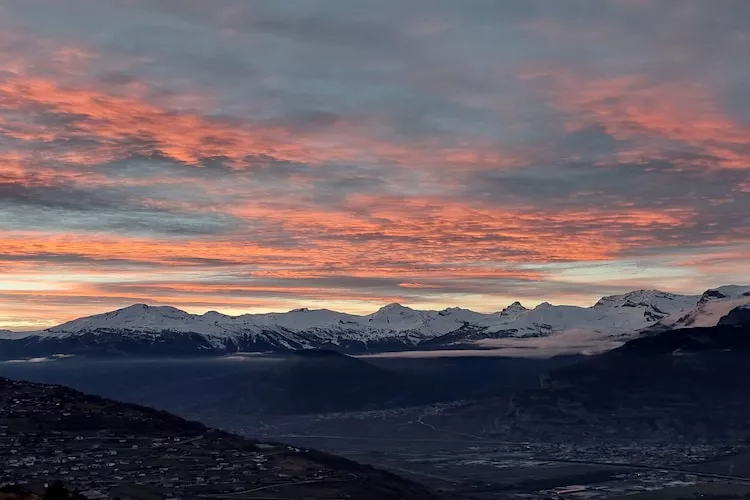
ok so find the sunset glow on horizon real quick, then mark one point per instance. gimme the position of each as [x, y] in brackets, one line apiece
[265, 155]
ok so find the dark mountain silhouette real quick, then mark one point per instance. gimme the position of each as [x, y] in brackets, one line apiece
[688, 382]
[308, 381]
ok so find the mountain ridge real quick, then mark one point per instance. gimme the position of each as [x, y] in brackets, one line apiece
[161, 330]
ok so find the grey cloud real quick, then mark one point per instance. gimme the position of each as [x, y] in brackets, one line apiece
[59, 196]
[73, 259]
[310, 119]
[585, 184]
[132, 221]
[719, 210]
[62, 259]
[156, 165]
[67, 206]
[117, 78]
[588, 142]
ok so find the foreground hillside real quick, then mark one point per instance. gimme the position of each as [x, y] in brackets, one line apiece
[117, 449]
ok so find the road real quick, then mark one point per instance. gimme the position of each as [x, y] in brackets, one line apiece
[239, 494]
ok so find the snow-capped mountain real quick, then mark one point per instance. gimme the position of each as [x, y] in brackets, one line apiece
[711, 307]
[514, 310]
[141, 317]
[162, 330]
[308, 328]
[143, 329]
[610, 316]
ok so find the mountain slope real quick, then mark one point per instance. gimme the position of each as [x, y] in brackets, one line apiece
[689, 382]
[320, 381]
[712, 305]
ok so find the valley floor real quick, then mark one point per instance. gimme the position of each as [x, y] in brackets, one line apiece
[412, 443]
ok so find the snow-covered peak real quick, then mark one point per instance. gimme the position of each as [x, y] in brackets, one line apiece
[712, 306]
[394, 308]
[301, 319]
[453, 310]
[514, 310]
[515, 306]
[460, 314]
[656, 299]
[617, 315]
[423, 324]
[215, 316]
[138, 316]
[734, 291]
[397, 317]
[725, 292]
[547, 313]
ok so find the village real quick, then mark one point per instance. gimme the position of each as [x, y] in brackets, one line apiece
[111, 450]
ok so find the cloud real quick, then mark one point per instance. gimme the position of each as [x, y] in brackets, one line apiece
[564, 343]
[54, 203]
[665, 118]
[344, 153]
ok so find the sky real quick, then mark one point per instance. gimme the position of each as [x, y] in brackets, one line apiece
[263, 155]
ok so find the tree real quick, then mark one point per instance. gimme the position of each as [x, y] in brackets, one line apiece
[56, 491]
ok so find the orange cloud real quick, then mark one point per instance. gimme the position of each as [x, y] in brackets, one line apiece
[374, 236]
[121, 126]
[632, 107]
[427, 245]
[433, 231]
[108, 123]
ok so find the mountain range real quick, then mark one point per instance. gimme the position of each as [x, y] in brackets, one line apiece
[167, 331]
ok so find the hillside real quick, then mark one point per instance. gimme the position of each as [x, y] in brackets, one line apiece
[117, 449]
[301, 382]
[685, 383]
